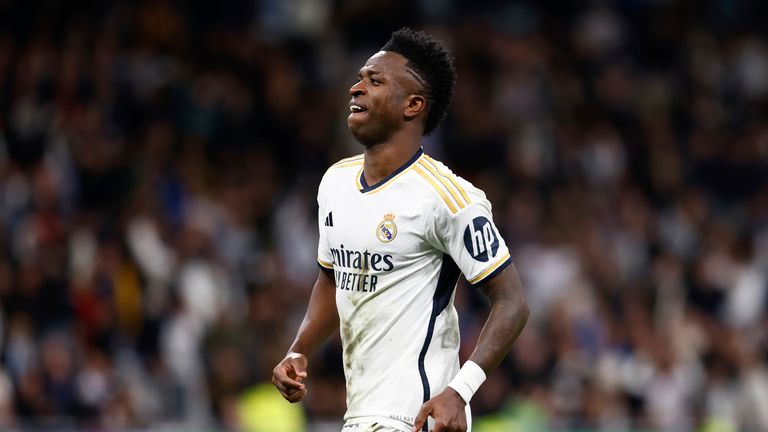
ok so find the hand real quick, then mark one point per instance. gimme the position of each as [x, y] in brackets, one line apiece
[288, 377]
[447, 409]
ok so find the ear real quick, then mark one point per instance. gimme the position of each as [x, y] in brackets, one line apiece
[414, 105]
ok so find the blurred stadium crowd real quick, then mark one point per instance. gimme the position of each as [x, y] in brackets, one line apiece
[158, 168]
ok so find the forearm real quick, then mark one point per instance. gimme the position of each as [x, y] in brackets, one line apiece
[312, 332]
[508, 315]
[505, 322]
[321, 319]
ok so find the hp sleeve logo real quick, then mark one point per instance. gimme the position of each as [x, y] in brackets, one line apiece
[481, 240]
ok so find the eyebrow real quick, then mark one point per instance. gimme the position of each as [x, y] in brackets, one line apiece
[368, 72]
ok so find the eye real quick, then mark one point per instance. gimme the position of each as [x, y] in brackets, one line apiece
[374, 81]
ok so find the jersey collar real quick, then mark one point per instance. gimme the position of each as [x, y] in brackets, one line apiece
[364, 187]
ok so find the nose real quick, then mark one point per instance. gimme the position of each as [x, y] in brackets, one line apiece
[357, 89]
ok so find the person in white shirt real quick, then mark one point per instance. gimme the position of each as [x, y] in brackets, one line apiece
[396, 229]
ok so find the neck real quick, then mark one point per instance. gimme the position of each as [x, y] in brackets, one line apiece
[384, 158]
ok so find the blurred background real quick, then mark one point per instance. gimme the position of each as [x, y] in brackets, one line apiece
[159, 162]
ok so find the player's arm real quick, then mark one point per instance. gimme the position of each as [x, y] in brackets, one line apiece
[319, 323]
[509, 312]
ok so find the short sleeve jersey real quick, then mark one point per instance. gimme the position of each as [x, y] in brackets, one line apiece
[396, 250]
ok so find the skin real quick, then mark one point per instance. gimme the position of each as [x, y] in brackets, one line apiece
[319, 323]
[509, 313]
[391, 129]
[393, 124]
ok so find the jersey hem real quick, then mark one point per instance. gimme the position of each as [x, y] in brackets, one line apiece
[386, 421]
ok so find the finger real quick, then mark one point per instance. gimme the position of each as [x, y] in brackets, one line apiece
[299, 373]
[282, 392]
[278, 385]
[296, 396]
[293, 395]
[291, 384]
[284, 395]
[286, 385]
[274, 381]
[296, 362]
[284, 370]
[284, 379]
[280, 388]
[424, 412]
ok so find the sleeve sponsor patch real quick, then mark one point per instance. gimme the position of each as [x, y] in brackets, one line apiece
[481, 239]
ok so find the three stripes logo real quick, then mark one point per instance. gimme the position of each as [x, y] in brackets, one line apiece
[329, 219]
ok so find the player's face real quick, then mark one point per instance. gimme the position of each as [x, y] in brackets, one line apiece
[380, 97]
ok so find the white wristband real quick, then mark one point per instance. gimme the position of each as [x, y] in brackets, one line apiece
[468, 380]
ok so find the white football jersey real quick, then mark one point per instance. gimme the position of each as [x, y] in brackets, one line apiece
[396, 249]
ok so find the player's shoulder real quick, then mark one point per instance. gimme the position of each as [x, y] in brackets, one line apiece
[353, 161]
[343, 168]
[453, 192]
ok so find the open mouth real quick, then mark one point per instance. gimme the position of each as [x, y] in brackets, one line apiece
[355, 108]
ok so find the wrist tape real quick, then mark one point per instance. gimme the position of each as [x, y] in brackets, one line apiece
[468, 380]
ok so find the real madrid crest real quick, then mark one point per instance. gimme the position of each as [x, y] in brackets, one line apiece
[387, 229]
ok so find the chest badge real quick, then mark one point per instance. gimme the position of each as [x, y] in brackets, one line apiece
[387, 229]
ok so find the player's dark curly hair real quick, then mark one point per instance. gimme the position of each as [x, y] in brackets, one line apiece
[433, 64]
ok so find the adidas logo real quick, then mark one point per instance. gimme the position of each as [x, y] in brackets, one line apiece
[329, 220]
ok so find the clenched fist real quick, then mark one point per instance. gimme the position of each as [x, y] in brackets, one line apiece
[288, 377]
[447, 409]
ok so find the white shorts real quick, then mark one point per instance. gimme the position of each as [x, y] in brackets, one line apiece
[369, 427]
[375, 426]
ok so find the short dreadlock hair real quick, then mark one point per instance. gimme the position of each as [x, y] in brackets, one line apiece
[435, 67]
